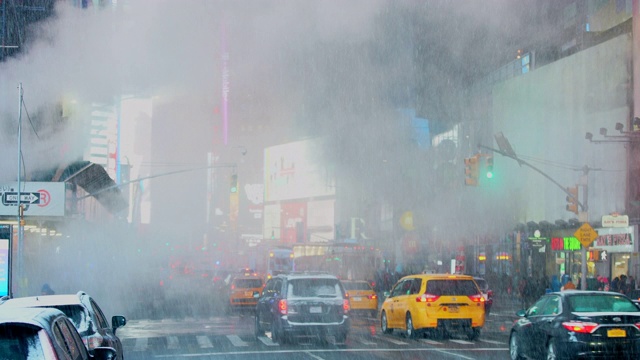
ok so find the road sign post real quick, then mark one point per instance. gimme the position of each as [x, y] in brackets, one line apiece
[585, 234]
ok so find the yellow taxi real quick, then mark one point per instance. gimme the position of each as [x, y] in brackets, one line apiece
[245, 291]
[438, 303]
[362, 297]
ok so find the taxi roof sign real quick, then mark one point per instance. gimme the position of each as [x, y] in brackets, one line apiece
[586, 234]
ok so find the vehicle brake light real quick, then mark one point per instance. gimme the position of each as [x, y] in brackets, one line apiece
[372, 296]
[427, 298]
[476, 298]
[345, 306]
[282, 307]
[580, 327]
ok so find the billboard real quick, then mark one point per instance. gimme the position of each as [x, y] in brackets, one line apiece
[293, 171]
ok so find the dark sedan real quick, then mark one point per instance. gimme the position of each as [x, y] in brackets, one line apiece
[577, 324]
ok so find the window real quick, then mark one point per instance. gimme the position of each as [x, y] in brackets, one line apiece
[452, 287]
[536, 309]
[601, 303]
[397, 290]
[247, 283]
[66, 340]
[19, 343]
[324, 288]
[356, 285]
[100, 318]
[552, 307]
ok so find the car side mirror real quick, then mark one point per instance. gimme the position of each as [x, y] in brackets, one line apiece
[118, 321]
[386, 294]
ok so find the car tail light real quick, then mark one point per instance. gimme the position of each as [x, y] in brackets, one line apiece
[93, 341]
[345, 306]
[282, 307]
[346, 294]
[428, 298]
[580, 326]
[372, 296]
[476, 298]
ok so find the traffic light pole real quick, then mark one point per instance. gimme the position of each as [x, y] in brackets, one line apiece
[522, 162]
[582, 215]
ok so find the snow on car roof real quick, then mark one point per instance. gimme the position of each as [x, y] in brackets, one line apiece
[44, 300]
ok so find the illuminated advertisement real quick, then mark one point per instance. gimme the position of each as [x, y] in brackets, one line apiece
[5, 235]
[293, 171]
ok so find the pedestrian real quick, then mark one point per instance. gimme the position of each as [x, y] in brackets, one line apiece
[555, 283]
[569, 285]
[47, 290]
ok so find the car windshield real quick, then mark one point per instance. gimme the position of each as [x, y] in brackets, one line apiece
[601, 303]
[20, 343]
[247, 283]
[325, 288]
[356, 286]
[79, 318]
[451, 287]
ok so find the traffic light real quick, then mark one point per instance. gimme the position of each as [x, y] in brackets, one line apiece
[233, 186]
[489, 170]
[471, 171]
[572, 200]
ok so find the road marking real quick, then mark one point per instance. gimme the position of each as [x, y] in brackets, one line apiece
[141, 344]
[393, 341]
[493, 342]
[172, 342]
[236, 341]
[267, 341]
[461, 341]
[204, 342]
[430, 342]
[362, 340]
[313, 356]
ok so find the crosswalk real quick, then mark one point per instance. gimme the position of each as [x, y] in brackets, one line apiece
[211, 342]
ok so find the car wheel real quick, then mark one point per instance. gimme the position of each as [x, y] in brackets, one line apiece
[383, 324]
[514, 350]
[258, 329]
[473, 333]
[410, 331]
[551, 350]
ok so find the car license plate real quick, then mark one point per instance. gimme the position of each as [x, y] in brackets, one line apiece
[248, 293]
[357, 299]
[454, 309]
[616, 333]
[315, 309]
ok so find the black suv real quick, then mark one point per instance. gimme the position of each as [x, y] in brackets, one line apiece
[303, 304]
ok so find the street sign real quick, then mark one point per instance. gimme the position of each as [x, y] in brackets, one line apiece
[586, 234]
[615, 220]
[11, 198]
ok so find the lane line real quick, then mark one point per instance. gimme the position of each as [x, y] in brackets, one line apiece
[204, 342]
[236, 341]
[172, 342]
[493, 342]
[267, 341]
[430, 342]
[141, 344]
[393, 341]
[458, 341]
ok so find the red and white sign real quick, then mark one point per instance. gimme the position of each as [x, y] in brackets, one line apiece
[615, 220]
[48, 198]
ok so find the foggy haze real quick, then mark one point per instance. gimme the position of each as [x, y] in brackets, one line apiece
[316, 68]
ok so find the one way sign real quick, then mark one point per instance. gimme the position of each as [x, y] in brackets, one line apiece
[11, 198]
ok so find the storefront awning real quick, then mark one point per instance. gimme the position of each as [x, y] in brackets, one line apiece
[94, 179]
